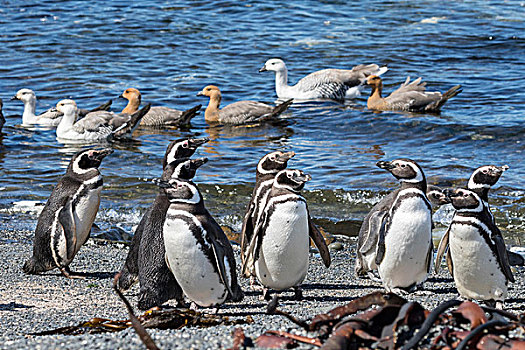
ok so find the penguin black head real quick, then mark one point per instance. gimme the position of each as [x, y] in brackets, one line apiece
[485, 176]
[291, 179]
[182, 148]
[181, 191]
[186, 168]
[274, 162]
[87, 160]
[403, 169]
[465, 200]
[437, 196]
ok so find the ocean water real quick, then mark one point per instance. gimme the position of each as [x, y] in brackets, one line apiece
[92, 51]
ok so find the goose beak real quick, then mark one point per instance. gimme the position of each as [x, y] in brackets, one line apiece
[263, 69]
[14, 98]
[200, 93]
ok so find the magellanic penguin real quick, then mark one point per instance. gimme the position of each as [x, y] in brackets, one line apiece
[197, 251]
[65, 222]
[267, 168]
[480, 182]
[480, 264]
[157, 283]
[181, 148]
[396, 236]
[279, 248]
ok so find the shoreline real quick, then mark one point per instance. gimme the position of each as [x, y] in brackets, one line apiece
[35, 303]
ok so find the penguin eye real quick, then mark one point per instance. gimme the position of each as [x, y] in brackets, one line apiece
[187, 166]
[484, 171]
[272, 157]
[465, 195]
[403, 165]
[185, 144]
[289, 175]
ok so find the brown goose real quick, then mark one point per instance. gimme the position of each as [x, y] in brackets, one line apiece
[410, 96]
[241, 112]
[157, 116]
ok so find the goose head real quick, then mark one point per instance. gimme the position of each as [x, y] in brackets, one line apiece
[274, 64]
[25, 95]
[210, 91]
[374, 81]
[131, 94]
[67, 107]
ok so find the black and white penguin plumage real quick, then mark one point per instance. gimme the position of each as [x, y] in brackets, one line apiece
[267, 168]
[197, 251]
[181, 148]
[396, 236]
[480, 182]
[279, 249]
[480, 264]
[157, 283]
[437, 196]
[65, 222]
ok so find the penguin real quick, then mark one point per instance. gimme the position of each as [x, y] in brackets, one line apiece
[181, 148]
[65, 222]
[437, 196]
[279, 248]
[267, 167]
[396, 235]
[480, 182]
[157, 283]
[197, 251]
[480, 264]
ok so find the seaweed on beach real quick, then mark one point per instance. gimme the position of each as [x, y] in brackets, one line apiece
[158, 317]
[387, 321]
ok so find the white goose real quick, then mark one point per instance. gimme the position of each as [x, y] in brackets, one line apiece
[52, 116]
[334, 84]
[95, 127]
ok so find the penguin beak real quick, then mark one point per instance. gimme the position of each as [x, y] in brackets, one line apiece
[194, 143]
[197, 163]
[162, 183]
[99, 155]
[450, 193]
[263, 69]
[304, 177]
[503, 168]
[286, 156]
[385, 165]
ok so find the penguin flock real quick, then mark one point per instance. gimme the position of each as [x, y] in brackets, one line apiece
[179, 252]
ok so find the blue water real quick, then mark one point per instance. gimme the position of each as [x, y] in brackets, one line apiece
[91, 51]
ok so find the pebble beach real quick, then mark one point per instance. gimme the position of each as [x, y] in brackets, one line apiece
[36, 303]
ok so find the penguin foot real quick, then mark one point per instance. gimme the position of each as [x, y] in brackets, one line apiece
[254, 285]
[266, 294]
[373, 277]
[68, 274]
[298, 293]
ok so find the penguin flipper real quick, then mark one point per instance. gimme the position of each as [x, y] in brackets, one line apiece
[67, 221]
[430, 254]
[247, 230]
[319, 242]
[220, 252]
[502, 255]
[371, 231]
[380, 251]
[442, 248]
[251, 252]
[450, 263]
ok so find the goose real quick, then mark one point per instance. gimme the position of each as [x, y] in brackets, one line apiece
[95, 127]
[240, 112]
[334, 84]
[157, 116]
[410, 96]
[2, 119]
[52, 116]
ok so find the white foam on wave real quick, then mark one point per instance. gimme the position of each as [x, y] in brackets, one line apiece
[25, 207]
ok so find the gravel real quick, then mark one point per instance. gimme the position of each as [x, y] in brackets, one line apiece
[31, 304]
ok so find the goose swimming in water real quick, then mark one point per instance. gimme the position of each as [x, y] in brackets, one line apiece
[334, 84]
[52, 116]
[240, 112]
[97, 127]
[410, 96]
[158, 116]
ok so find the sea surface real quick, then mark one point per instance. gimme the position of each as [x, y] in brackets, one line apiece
[92, 50]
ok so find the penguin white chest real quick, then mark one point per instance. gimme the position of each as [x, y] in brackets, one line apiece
[85, 212]
[476, 269]
[407, 244]
[187, 260]
[283, 256]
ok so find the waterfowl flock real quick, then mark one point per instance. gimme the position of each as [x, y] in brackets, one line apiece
[180, 252]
